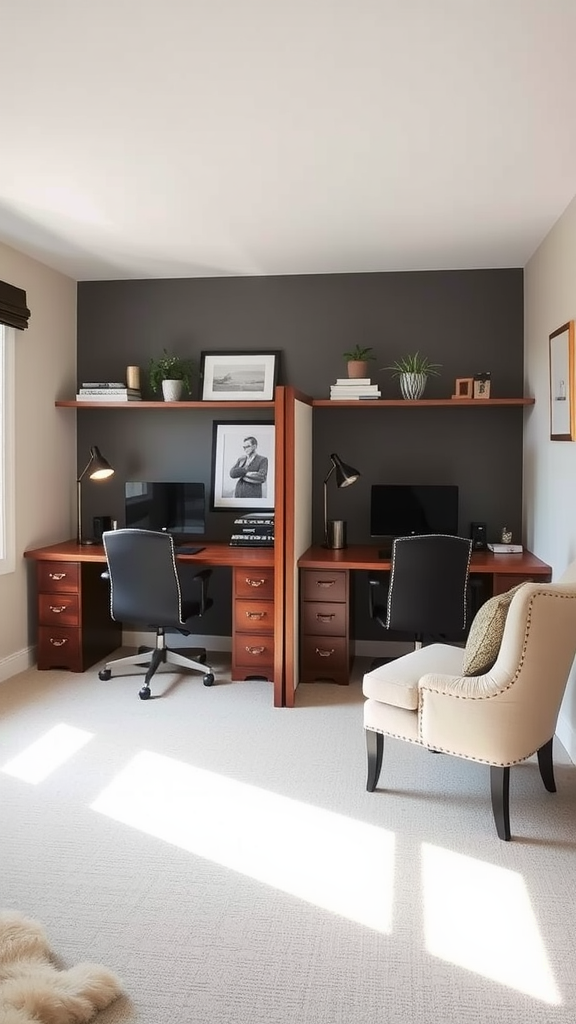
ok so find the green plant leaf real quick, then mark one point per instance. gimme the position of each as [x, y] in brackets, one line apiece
[414, 363]
[359, 354]
[171, 367]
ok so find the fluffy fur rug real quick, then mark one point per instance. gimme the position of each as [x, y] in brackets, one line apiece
[34, 991]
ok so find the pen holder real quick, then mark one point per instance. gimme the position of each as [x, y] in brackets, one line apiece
[336, 536]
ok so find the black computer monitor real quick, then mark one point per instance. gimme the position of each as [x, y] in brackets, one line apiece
[178, 508]
[401, 510]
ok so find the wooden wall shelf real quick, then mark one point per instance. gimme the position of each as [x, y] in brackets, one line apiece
[99, 404]
[401, 402]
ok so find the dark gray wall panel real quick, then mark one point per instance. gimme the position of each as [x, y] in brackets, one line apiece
[470, 321]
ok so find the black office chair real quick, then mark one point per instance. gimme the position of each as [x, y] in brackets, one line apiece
[145, 588]
[426, 594]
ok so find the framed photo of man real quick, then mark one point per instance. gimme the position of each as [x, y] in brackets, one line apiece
[243, 465]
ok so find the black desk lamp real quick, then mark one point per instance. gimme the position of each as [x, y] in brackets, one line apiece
[97, 468]
[334, 528]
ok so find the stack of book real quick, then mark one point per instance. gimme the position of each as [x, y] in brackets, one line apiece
[107, 391]
[348, 389]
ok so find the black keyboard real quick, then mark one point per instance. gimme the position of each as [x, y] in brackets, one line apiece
[251, 540]
[187, 549]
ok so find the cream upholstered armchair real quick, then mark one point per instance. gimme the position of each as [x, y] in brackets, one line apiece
[499, 716]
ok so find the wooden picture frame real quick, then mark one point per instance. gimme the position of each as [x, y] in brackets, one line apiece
[238, 376]
[561, 355]
[232, 445]
[463, 387]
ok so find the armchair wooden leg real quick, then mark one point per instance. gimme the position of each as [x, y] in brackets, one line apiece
[546, 766]
[500, 793]
[375, 752]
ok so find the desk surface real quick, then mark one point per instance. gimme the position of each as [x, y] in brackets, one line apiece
[365, 556]
[213, 554]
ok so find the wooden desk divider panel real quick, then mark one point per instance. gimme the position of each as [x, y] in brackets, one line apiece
[298, 530]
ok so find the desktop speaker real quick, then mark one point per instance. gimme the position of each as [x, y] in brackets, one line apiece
[99, 525]
[478, 535]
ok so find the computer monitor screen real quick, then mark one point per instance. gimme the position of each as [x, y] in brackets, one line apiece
[399, 510]
[178, 508]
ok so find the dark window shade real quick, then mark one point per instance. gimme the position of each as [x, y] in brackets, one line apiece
[13, 309]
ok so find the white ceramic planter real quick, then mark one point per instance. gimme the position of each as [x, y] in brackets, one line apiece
[412, 385]
[172, 390]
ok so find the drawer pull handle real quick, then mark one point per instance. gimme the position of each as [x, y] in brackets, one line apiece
[57, 575]
[325, 618]
[325, 654]
[57, 608]
[255, 615]
[325, 583]
[59, 643]
[254, 583]
[255, 650]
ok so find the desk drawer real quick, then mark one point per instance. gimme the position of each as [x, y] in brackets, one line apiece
[254, 616]
[59, 609]
[253, 656]
[324, 619]
[58, 577]
[324, 585]
[325, 658]
[59, 647]
[254, 583]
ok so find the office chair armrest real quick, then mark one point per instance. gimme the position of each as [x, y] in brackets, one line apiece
[203, 578]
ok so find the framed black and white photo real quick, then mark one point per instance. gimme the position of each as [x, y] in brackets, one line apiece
[238, 376]
[243, 465]
[562, 411]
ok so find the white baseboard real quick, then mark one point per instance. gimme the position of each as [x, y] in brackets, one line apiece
[136, 638]
[17, 662]
[567, 736]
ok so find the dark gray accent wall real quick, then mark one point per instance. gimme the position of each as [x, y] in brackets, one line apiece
[469, 321]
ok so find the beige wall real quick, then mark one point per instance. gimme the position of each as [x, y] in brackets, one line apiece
[45, 368]
[550, 466]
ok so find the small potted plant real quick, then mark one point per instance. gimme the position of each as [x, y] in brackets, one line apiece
[171, 374]
[413, 371]
[357, 359]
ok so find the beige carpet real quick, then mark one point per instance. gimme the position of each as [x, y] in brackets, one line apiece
[224, 859]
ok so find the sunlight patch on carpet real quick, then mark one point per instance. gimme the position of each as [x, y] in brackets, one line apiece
[41, 758]
[479, 917]
[324, 858]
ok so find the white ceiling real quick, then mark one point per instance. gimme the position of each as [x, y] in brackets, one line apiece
[194, 138]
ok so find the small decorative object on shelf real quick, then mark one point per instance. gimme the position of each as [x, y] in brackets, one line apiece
[108, 393]
[173, 369]
[413, 372]
[506, 535]
[133, 377]
[357, 359]
[463, 388]
[348, 389]
[482, 385]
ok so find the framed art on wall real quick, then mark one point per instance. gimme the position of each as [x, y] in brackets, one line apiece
[562, 412]
[243, 465]
[238, 376]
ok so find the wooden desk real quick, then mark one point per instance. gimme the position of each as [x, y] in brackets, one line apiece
[75, 629]
[325, 605]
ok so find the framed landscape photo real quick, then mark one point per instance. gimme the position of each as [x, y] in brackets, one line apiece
[238, 376]
[562, 411]
[243, 465]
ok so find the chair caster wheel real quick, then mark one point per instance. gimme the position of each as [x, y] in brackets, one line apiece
[144, 693]
[208, 679]
[104, 674]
